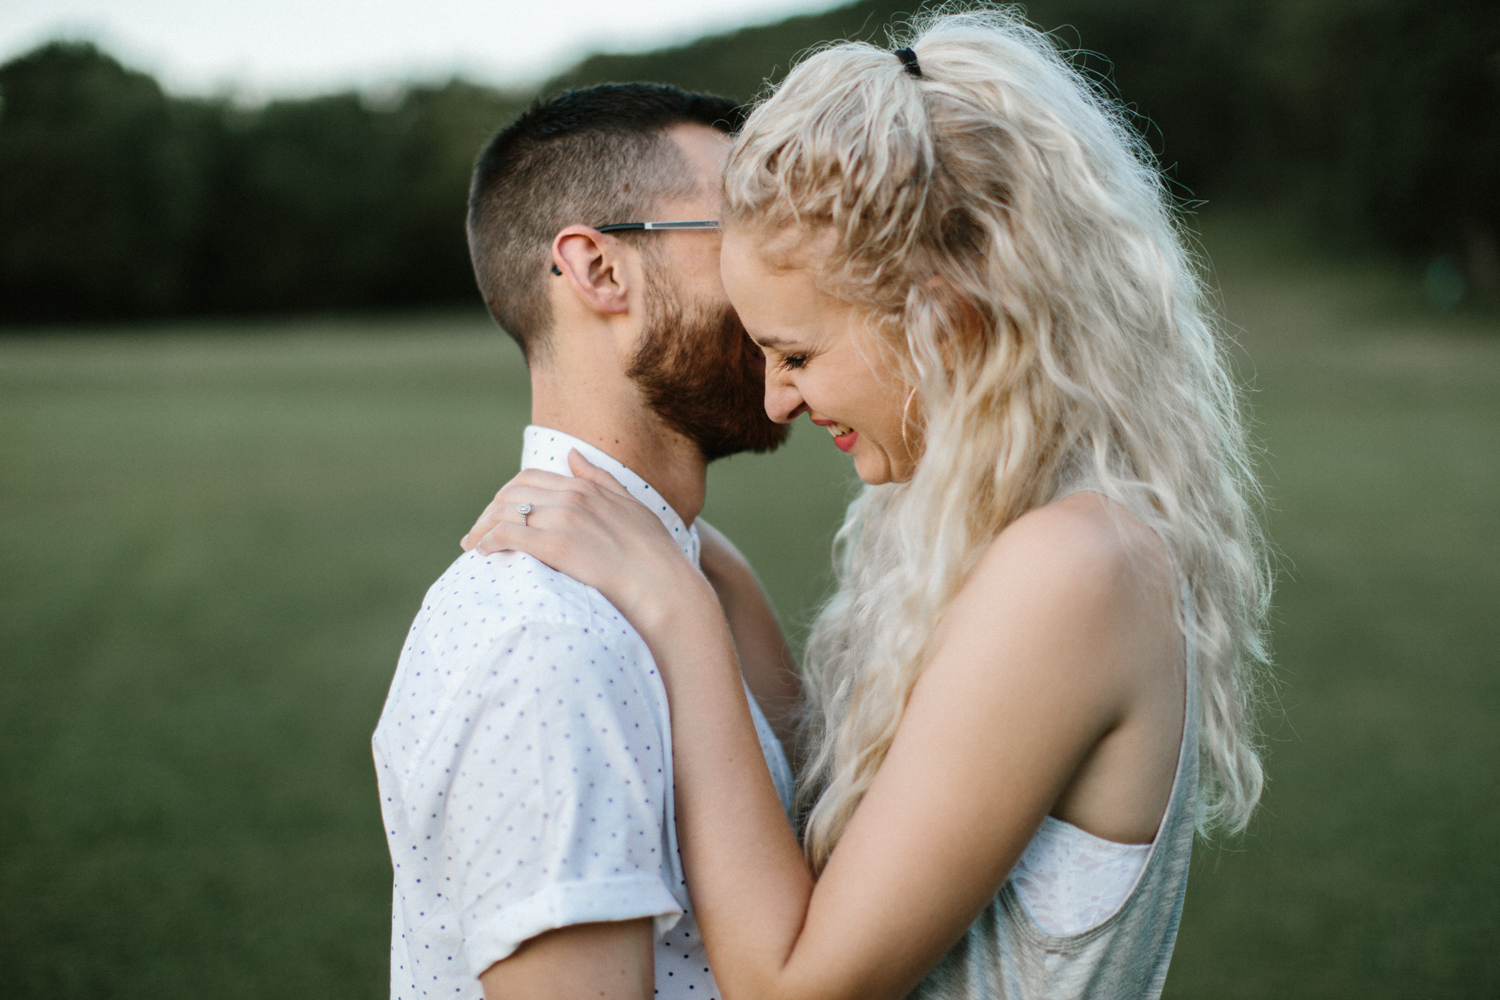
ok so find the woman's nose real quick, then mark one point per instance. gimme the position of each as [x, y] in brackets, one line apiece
[783, 402]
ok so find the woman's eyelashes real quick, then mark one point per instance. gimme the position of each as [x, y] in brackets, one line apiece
[792, 361]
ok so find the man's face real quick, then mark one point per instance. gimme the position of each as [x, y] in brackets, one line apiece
[696, 367]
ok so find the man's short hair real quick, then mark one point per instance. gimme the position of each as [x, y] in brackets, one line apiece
[591, 157]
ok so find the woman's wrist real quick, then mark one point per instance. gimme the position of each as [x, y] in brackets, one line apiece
[668, 605]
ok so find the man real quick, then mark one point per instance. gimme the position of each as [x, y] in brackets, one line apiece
[524, 754]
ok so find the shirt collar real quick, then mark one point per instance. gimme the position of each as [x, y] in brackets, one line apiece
[548, 449]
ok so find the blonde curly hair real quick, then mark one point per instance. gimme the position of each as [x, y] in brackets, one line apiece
[1016, 252]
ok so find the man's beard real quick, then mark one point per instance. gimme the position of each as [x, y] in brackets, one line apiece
[700, 372]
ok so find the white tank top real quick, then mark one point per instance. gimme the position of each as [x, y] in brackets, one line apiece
[1070, 880]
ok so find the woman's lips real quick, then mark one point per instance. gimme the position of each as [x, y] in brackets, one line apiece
[844, 436]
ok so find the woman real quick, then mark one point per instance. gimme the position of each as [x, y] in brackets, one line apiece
[957, 259]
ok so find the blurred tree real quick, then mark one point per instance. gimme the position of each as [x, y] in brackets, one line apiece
[298, 213]
[333, 203]
[1410, 149]
[118, 201]
[1377, 120]
[100, 188]
[440, 130]
[740, 63]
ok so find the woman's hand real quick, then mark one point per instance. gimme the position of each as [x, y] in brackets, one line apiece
[589, 527]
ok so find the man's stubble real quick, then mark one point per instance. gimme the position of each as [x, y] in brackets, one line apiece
[700, 372]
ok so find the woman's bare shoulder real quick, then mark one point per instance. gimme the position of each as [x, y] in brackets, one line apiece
[1063, 624]
[1084, 544]
[1081, 571]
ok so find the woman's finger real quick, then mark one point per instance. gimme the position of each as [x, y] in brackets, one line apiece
[547, 525]
[542, 479]
[508, 537]
[529, 486]
[506, 507]
[487, 519]
[586, 470]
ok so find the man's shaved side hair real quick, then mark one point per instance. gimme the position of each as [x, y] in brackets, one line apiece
[590, 157]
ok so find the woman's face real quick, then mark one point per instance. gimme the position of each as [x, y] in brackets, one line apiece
[820, 360]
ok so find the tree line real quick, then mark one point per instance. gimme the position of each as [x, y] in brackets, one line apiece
[1379, 120]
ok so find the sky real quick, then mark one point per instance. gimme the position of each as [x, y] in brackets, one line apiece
[257, 49]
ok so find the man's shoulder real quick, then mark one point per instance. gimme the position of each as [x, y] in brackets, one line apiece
[507, 590]
[508, 623]
[483, 607]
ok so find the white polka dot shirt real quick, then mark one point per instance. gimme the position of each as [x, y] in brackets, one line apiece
[525, 765]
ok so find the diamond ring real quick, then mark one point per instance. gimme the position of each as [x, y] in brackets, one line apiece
[523, 509]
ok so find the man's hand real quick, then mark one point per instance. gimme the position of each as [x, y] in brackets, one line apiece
[584, 962]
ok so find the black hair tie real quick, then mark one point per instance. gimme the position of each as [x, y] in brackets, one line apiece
[909, 62]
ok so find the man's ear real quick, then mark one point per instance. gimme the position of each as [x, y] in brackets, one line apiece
[593, 268]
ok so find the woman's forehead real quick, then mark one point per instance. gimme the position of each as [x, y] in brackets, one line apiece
[745, 265]
[790, 247]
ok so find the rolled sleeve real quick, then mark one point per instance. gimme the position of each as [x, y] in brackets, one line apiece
[556, 800]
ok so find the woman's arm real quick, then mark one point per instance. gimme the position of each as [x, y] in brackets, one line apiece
[765, 659]
[1037, 659]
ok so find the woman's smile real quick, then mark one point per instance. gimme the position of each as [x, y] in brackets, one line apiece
[843, 435]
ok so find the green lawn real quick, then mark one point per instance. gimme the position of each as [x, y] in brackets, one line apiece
[213, 538]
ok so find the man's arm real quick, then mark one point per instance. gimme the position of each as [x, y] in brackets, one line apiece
[766, 660]
[594, 961]
[553, 813]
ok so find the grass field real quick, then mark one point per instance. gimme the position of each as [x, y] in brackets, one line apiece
[212, 540]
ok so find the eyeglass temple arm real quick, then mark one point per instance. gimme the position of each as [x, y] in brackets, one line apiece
[615, 227]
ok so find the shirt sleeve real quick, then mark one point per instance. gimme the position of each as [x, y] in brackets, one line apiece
[555, 806]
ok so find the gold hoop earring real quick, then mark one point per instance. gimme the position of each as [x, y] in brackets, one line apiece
[905, 408]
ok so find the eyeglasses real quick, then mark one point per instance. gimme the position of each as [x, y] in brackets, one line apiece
[617, 227]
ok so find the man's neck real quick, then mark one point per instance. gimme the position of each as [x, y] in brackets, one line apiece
[637, 439]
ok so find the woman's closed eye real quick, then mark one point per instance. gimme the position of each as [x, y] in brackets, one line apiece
[792, 361]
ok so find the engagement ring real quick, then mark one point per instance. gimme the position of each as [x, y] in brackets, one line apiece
[523, 509]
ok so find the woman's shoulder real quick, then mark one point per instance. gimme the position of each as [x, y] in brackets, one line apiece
[1080, 558]
[1073, 597]
[1082, 546]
